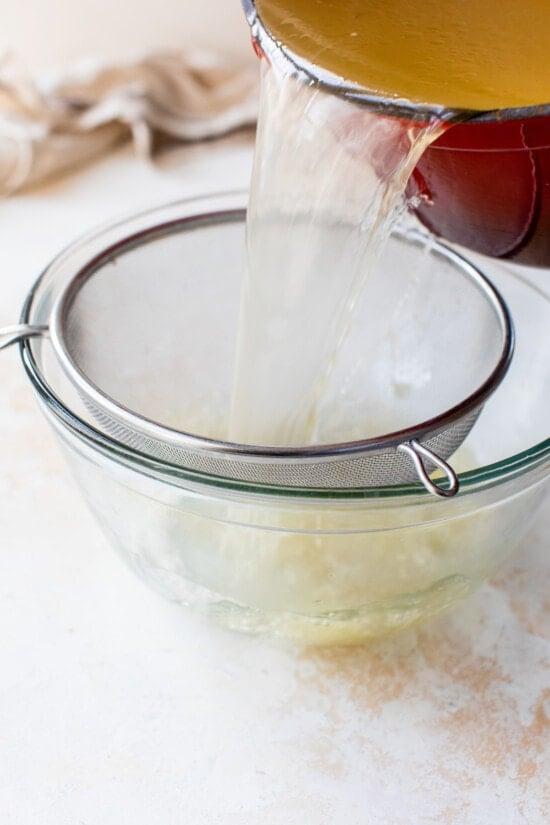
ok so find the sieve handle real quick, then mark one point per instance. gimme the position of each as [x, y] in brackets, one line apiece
[418, 453]
[11, 335]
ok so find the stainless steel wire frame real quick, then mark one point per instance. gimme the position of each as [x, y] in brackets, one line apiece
[395, 458]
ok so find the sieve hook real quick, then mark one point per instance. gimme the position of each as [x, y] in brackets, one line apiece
[11, 335]
[417, 452]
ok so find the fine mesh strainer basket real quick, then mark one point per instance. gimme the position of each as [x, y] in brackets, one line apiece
[144, 326]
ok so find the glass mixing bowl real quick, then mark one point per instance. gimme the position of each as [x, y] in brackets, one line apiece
[321, 567]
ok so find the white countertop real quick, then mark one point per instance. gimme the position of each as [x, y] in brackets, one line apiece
[117, 708]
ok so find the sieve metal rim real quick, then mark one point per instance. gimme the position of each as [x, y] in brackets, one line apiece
[254, 453]
[391, 106]
[232, 209]
[532, 460]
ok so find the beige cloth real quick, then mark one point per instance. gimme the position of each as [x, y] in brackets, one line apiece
[50, 127]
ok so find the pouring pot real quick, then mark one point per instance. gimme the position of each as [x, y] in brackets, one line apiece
[484, 183]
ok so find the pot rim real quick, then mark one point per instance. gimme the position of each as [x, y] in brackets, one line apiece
[396, 107]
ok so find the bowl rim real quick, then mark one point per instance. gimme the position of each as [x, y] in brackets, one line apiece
[470, 481]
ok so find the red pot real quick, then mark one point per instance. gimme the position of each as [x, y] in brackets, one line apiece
[484, 184]
[487, 186]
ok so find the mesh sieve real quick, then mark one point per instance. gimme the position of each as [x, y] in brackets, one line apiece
[377, 467]
[95, 316]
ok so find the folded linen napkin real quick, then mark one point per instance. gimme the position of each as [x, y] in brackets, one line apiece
[55, 125]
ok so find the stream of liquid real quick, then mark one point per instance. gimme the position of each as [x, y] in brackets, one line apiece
[330, 175]
[327, 187]
[328, 184]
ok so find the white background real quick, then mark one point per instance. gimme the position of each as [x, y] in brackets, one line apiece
[52, 33]
[117, 708]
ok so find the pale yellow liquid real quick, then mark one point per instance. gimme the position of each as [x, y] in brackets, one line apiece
[327, 187]
[469, 54]
[329, 184]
